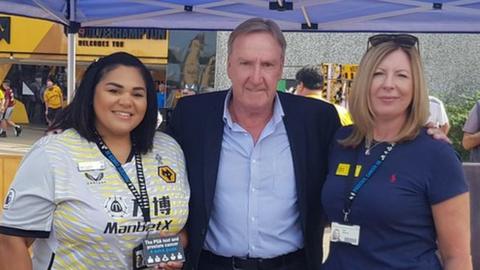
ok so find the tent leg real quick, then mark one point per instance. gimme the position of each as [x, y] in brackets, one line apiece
[71, 66]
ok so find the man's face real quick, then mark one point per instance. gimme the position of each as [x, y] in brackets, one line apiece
[49, 84]
[255, 65]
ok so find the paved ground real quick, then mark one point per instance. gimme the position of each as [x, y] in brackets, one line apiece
[21, 144]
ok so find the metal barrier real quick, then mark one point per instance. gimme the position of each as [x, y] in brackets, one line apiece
[472, 172]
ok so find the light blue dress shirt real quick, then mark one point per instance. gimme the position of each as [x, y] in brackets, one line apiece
[255, 211]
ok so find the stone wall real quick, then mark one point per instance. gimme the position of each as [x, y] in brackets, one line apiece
[452, 61]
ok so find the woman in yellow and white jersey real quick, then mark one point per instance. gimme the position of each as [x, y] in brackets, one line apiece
[87, 197]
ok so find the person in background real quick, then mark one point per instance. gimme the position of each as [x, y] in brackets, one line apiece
[471, 133]
[2, 103]
[438, 115]
[396, 195]
[38, 116]
[9, 105]
[256, 160]
[187, 92]
[310, 84]
[87, 197]
[53, 98]
[161, 93]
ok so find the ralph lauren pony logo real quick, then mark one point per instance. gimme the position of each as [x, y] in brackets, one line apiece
[5, 29]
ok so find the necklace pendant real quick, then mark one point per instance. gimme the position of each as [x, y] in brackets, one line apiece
[367, 151]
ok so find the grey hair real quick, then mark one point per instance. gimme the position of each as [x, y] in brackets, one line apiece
[255, 25]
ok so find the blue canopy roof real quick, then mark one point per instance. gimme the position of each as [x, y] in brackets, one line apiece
[451, 16]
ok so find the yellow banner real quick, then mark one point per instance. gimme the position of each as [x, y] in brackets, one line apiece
[48, 41]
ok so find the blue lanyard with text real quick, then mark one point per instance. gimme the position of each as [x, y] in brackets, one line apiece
[356, 188]
[142, 197]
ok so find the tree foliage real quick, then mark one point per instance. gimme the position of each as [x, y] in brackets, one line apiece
[458, 107]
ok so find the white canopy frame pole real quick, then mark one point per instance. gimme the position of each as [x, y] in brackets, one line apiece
[71, 69]
[72, 50]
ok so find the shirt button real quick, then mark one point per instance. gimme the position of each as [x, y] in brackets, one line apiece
[254, 160]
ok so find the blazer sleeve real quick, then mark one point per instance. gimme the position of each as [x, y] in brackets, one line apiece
[173, 126]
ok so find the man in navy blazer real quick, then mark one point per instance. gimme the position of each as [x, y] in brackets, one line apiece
[256, 161]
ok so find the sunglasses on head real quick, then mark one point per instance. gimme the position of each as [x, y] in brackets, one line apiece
[403, 40]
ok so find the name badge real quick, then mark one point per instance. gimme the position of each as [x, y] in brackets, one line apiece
[345, 233]
[91, 166]
[154, 251]
[358, 169]
[343, 169]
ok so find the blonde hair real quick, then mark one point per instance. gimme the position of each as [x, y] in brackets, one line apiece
[360, 104]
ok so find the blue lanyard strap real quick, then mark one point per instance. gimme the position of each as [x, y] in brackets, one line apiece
[356, 188]
[142, 197]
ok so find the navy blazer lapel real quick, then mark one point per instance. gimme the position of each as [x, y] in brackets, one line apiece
[296, 133]
[213, 135]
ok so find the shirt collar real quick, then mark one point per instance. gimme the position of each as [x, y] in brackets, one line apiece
[277, 110]
[316, 94]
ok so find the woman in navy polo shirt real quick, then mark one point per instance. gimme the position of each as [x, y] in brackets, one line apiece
[394, 195]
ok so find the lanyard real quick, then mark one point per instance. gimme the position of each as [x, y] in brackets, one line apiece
[142, 197]
[347, 209]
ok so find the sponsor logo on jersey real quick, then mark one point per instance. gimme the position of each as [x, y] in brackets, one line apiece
[161, 206]
[167, 174]
[95, 179]
[116, 206]
[9, 199]
[115, 228]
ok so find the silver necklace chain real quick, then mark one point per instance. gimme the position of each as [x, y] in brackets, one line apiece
[369, 147]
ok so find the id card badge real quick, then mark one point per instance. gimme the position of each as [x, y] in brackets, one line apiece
[345, 233]
[137, 258]
[162, 249]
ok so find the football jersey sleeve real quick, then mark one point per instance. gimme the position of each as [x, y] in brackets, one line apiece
[29, 204]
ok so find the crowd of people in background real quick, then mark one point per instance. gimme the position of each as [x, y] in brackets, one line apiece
[29, 84]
